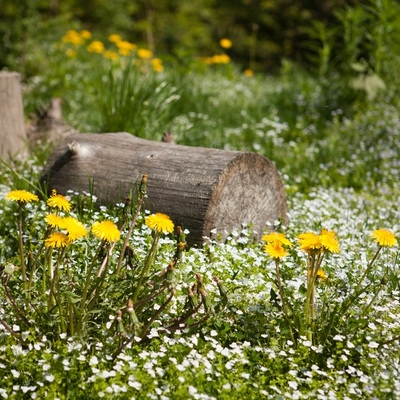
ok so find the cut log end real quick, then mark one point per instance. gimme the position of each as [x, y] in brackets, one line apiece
[249, 192]
[210, 192]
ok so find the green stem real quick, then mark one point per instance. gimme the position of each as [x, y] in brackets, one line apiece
[88, 277]
[282, 297]
[368, 306]
[155, 315]
[369, 266]
[313, 265]
[8, 328]
[80, 311]
[128, 235]
[57, 291]
[54, 295]
[14, 304]
[35, 261]
[70, 306]
[21, 246]
[98, 285]
[50, 272]
[147, 265]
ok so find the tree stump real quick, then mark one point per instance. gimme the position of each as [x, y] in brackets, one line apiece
[201, 189]
[13, 138]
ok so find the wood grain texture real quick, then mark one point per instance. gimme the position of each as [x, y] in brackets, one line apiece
[201, 189]
[13, 139]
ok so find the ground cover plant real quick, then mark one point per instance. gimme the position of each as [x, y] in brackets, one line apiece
[109, 302]
[254, 346]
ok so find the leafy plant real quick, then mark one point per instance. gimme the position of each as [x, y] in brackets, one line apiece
[136, 101]
[69, 294]
[319, 323]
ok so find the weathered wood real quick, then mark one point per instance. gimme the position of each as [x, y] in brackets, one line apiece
[201, 189]
[13, 140]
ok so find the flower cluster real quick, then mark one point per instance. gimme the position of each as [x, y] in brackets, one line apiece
[326, 241]
[114, 50]
[71, 228]
[316, 246]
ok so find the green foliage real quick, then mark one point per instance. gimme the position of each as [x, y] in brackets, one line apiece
[63, 286]
[129, 100]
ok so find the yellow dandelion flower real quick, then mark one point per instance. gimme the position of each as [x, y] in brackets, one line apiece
[221, 59]
[157, 65]
[75, 228]
[96, 47]
[73, 37]
[276, 237]
[57, 239]
[275, 250]
[86, 34]
[54, 220]
[225, 43]
[144, 54]
[59, 201]
[321, 276]
[248, 72]
[384, 237]
[329, 241]
[22, 196]
[115, 38]
[125, 48]
[106, 230]
[160, 222]
[309, 241]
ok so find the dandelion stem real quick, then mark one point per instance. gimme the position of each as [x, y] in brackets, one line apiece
[155, 315]
[368, 306]
[313, 264]
[21, 246]
[8, 328]
[88, 276]
[142, 193]
[14, 304]
[282, 297]
[367, 269]
[147, 265]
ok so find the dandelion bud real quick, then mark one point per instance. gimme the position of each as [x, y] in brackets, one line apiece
[206, 300]
[181, 235]
[223, 291]
[195, 288]
[126, 205]
[120, 325]
[143, 184]
[179, 250]
[199, 279]
[170, 272]
[193, 300]
[133, 319]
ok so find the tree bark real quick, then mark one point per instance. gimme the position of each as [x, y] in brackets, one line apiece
[13, 140]
[208, 191]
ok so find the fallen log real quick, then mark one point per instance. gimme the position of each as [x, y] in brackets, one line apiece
[201, 189]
